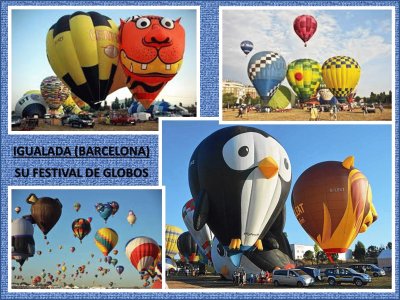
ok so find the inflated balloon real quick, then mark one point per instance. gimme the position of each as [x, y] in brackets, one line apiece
[142, 251]
[304, 76]
[341, 75]
[45, 212]
[115, 251]
[326, 96]
[270, 260]
[170, 264]
[89, 219]
[22, 241]
[240, 178]
[54, 92]
[131, 218]
[82, 50]
[70, 107]
[188, 247]
[39, 252]
[119, 269]
[246, 46]
[108, 259]
[332, 201]
[266, 71]
[114, 261]
[202, 237]
[151, 54]
[171, 236]
[105, 210]
[31, 104]
[106, 239]
[17, 209]
[81, 228]
[115, 206]
[305, 26]
[77, 206]
[72, 249]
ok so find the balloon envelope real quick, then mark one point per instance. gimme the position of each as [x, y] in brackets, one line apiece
[151, 54]
[106, 239]
[246, 46]
[266, 71]
[304, 76]
[171, 236]
[82, 50]
[81, 228]
[142, 251]
[54, 92]
[341, 75]
[305, 26]
[31, 104]
[332, 201]
[188, 247]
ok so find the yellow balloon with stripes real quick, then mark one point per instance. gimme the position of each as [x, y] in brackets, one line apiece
[106, 239]
[82, 50]
[171, 237]
[341, 75]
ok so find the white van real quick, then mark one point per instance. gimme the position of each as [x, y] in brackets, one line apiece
[293, 277]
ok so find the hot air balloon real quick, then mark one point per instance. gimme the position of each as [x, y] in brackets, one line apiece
[170, 264]
[82, 50]
[77, 206]
[115, 251]
[131, 218]
[106, 239]
[246, 46]
[31, 104]
[326, 96]
[17, 209]
[332, 201]
[64, 268]
[54, 92]
[188, 247]
[108, 259]
[45, 212]
[70, 107]
[119, 269]
[240, 178]
[305, 26]
[304, 76]
[151, 54]
[114, 261]
[142, 251]
[72, 249]
[39, 252]
[89, 219]
[171, 236]
[266, 71]
[104, 210]
[81, 228]
[341, 75]
[115, 206]
[203, 237]
[22, 241]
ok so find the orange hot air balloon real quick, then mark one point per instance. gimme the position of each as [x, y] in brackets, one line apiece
[332, 201]
[151, 54]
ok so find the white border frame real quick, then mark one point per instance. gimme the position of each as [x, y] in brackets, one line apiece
[308, 290]
[9, 55]
[23, 291]
[351, 7]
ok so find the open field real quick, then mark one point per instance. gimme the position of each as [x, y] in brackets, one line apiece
[140, 126]
[301, 115]
[214, 282]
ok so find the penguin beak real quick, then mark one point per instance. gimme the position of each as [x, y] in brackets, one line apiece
[268, 167]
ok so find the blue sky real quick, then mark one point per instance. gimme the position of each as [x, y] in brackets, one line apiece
[29, 64]
[365, 35]
[146, 205]
[306, 145]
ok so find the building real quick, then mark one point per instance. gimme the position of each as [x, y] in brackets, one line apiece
[299, 250]
[346, 256]
[385, 259]
[238, 89]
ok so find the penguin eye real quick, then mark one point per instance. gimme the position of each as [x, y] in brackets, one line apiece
[238, 152]
[285, 171]
[286, 163]
[243, 151]
[220, 250]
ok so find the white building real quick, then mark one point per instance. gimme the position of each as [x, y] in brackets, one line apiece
[299, 250]
[346, 256]
[385, 259]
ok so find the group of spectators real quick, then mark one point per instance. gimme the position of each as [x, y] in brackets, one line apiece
[240, 277]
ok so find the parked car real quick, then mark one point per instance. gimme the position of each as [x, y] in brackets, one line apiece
[15, 121]
[313, 272]
[293, 277]
[78, 121]
[346, 275]
[369, 269]
[141, 117]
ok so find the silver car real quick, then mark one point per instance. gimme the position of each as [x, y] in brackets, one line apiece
[292, 277]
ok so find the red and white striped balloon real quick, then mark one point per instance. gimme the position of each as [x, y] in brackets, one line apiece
[142, 251]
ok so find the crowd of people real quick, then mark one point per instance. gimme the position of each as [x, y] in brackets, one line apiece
[240, 277]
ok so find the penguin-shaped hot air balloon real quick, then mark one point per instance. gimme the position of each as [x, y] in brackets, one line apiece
[240, 178]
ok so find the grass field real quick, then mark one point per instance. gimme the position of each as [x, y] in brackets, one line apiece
[214, 282]
[301, 115]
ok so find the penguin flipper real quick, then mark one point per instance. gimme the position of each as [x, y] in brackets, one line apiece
[201, 210]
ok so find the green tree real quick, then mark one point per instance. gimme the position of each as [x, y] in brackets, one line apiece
[321, 256]
[316, 250]
[116, 104]
[372, 251]
[228, 100]
[335, 257]
[389, 245]
[309, 255]
[359, 251]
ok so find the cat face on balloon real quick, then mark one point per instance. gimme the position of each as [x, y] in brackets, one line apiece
[151, 45]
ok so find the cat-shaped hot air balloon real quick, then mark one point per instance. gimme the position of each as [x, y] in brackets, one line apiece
[151, 54]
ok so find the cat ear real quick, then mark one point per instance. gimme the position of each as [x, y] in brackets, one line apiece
[178, 20]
